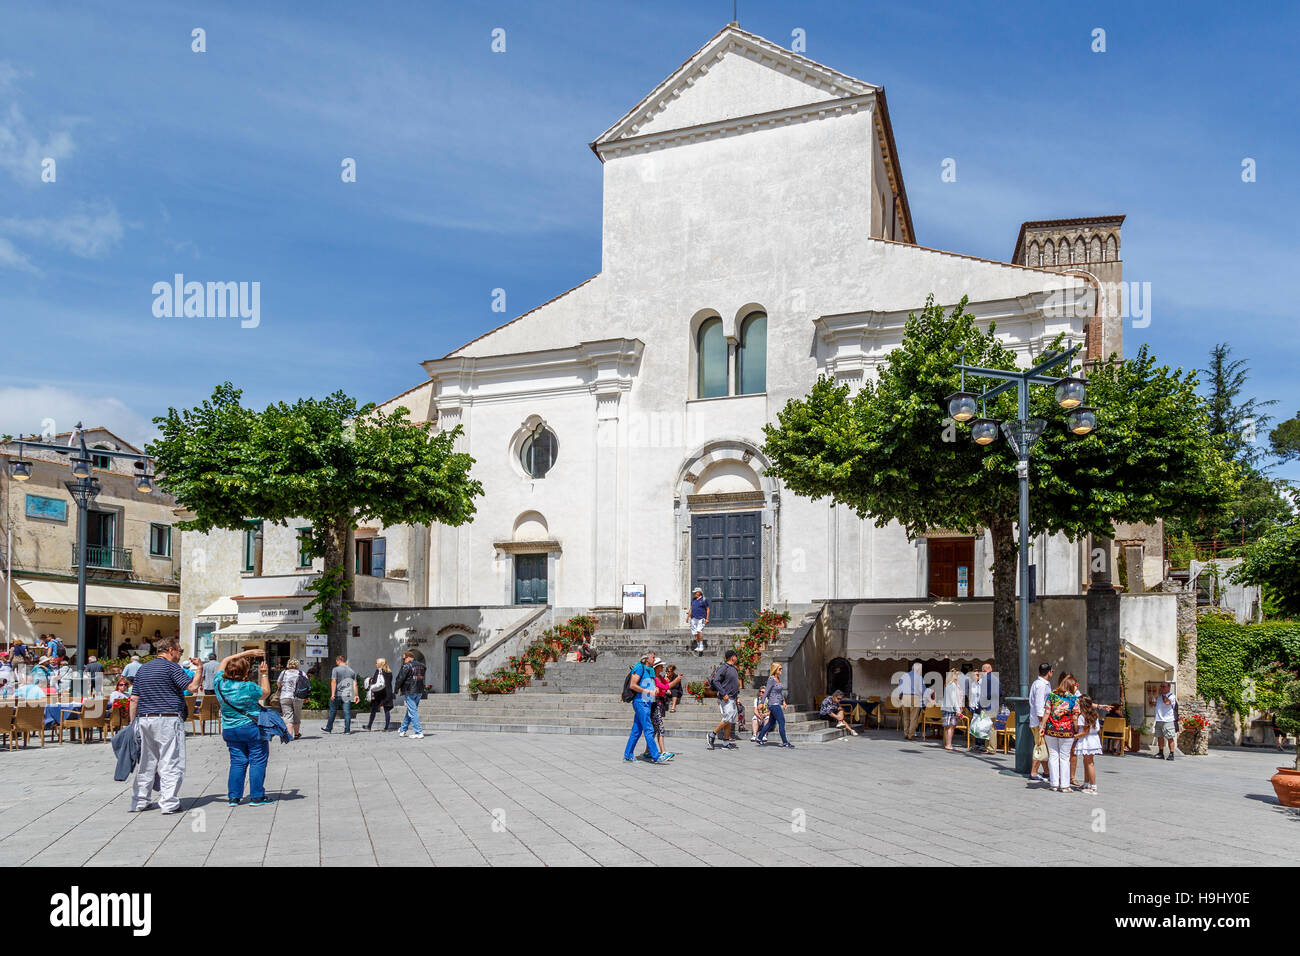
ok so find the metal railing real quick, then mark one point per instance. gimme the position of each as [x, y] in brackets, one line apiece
[112, 559]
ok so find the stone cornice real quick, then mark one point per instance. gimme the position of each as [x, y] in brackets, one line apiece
[740, 124]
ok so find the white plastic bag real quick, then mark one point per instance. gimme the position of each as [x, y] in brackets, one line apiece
[981, 725]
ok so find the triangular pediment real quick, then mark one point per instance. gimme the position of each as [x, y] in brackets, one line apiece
[735, 74]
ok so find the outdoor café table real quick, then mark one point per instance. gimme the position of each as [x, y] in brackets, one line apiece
[858, 710]
[54, 713]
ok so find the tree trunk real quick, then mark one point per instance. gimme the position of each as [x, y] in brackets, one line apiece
[1006, 630]
[336, 560]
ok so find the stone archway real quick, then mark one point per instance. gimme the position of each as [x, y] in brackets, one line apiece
[723, 492]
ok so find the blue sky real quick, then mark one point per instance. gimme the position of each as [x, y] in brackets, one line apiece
[473, 172]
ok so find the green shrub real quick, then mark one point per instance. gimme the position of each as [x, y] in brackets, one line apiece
[1230, 657]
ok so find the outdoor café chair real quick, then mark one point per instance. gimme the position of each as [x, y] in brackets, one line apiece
[29, 718]
[931, 717]
[208, 709]
[1115, 728]
[1006, 733]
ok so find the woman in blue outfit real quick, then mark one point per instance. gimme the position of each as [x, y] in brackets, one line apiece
[775, 707]
[240, 700]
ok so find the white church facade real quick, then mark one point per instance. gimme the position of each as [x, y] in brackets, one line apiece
[756, 234]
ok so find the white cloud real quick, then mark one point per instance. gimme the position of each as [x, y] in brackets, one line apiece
[89, 232]
[11, 258]
[23, 408]
[22, 148]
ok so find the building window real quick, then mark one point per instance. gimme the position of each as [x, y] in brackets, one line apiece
[101, 461]
[160, 540]
[304, 547]
[250, 545]
[372, 557]
[711, 353]
[751, 357]
[537, 453]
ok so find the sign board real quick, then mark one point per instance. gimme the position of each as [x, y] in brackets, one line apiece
[316, 650]
[634, 599]
[963, 581]
[279, 615]
[316, 640]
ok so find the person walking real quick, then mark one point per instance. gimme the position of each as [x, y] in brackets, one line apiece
[240, 700]
[1166, 717]
[290, 702]
[380, 687]
[726, 684]
[210, 668]
[698, 618]
[951, 707]
[158, 708]
[1037, 703]
[775, 706]
[911, 698]
[410, 684]
[343, 693]
[641, 682]
[1059, 725]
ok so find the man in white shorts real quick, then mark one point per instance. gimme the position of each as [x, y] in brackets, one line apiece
[1165, 720]
[726, 683]
[699, 619]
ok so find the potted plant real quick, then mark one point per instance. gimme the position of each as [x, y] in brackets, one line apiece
[1148, 729]
[1194, 735]
[1286, 782]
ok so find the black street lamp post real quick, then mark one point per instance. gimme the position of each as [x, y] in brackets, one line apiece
[1021, 433]
[84, 488]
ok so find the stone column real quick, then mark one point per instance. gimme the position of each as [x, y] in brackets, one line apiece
[1103, 625]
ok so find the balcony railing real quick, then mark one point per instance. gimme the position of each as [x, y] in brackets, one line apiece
[111, 559]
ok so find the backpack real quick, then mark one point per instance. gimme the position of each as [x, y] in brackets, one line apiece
[628, 693]
[302, 687]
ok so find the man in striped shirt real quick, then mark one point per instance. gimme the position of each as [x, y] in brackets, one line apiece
[158, 708]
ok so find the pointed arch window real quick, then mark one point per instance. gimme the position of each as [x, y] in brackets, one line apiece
[751, 357]
[711, 356]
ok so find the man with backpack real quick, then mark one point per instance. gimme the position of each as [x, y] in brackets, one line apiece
[726, 683]
[639, 690]
[410, 684]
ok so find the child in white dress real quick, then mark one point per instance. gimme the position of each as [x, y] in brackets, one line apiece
[1088, 742]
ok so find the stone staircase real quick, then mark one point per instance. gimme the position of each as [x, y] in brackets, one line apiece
[584, 698]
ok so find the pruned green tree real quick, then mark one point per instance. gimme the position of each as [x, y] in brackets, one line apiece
[1285, 439]
[889, 452]
[1272, 563]
[324, 460]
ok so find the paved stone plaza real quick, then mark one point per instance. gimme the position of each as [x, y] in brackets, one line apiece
[456, 799]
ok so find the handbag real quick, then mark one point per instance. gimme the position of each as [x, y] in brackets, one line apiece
[269, 722]
[1040, 747]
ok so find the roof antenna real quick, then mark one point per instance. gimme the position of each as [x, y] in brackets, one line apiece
[735, 18]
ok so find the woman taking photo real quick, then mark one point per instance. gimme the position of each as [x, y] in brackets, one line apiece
[240, 700]
[775, 707]
[1060, 724]
[290, 702]
[380, 688]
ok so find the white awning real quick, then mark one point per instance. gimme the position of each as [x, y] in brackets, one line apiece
[1149, 658]
[267, 630]
[100, 598]
[904, 630]
[222, 607]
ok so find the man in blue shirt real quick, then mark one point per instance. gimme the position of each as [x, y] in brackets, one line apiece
[643, 685]
[158, 707]
[130, 670]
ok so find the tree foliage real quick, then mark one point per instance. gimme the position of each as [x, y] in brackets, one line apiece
[324, 460]
[1285, 439]
[890, 453]
[1272, 562]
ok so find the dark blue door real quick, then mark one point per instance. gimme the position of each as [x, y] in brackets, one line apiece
[726, 561]
[530, 578]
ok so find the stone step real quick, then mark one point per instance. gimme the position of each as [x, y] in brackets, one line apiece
[608, 728]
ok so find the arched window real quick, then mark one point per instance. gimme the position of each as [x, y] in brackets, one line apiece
[1110, 249]
[537, 453]
[751, 357]
[1094, 250]
[1079, 254]
[711, 358]
[101, 461]
[1034, 258]
[1049, 253]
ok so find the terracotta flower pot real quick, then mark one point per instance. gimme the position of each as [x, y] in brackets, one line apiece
[1286, 784]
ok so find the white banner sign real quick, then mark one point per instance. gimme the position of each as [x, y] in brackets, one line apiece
[314, 640]
[634, 599]
[278, 615]
[316, 651]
